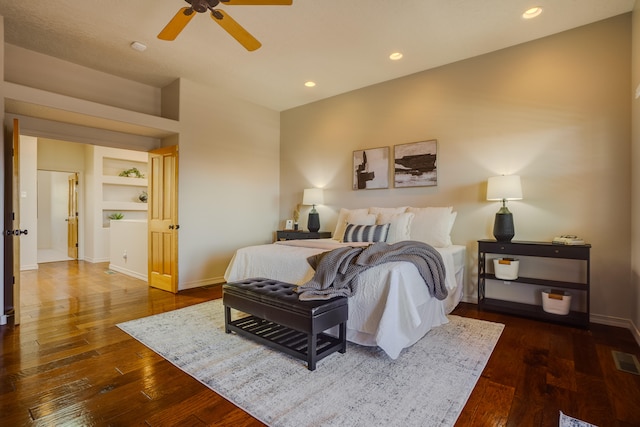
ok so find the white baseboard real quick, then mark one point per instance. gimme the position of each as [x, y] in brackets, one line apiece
[128, 272]
[617, 322]
[3, 320]
[593, 318]
[96, 260]
[199, 283]
[29, 267]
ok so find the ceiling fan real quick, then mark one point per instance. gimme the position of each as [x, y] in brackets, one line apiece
[184, 15]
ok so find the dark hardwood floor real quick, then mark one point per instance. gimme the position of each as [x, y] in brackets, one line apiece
[68, 364]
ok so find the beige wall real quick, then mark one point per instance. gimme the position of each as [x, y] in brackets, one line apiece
[229, 180]
[634, 294]
[229, 149]
[58, 76]
[555, 111]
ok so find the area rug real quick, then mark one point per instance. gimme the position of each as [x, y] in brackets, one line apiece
[427, 385]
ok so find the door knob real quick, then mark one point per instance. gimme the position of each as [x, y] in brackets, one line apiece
[19, 232]
[170, 226]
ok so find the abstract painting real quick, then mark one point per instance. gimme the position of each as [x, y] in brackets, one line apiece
[415, 164]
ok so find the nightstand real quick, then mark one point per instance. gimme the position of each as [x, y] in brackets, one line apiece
[299, 235]
[579, 254]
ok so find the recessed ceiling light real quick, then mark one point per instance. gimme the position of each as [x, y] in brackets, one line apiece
[310, 84]
[140, 47]
[532, 13]
[395, 56]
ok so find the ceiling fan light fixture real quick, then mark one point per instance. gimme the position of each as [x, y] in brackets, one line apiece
[395, 56]
[532, 12]
[310, 84]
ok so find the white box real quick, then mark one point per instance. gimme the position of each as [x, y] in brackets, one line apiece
[506, 268]
[556, 302]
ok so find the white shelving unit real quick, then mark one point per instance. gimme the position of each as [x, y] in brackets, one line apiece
[110, 193]
[121, 193]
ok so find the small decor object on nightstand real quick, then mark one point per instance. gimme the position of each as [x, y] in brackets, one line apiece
[568, 240]
[143, 197]
[313, 196]
[296, 216]
[504, 187]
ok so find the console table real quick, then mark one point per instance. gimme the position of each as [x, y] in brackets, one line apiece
[579, 253]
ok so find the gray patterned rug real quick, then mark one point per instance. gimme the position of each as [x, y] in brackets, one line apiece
[427, 385]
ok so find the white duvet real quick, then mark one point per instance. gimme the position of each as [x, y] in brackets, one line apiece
[392, 308]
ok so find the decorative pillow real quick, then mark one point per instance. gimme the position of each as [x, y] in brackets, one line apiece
[387, 211]
[400, 225]
[432, 225]
[353, 216]
[366, 233]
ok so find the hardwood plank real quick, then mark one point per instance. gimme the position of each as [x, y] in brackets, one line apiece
[68, 364]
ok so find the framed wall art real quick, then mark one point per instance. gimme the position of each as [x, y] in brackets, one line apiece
[371, 168]
[415, 164]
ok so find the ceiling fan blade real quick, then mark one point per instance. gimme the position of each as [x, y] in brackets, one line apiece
[177, 23]
[258, 2]
[235, 30]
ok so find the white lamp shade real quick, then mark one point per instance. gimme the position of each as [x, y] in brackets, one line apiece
[504, 187]
[312, 196]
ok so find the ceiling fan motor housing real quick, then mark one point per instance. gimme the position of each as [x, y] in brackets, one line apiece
[201, 6]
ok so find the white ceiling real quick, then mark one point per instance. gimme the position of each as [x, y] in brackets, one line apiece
[341, 44]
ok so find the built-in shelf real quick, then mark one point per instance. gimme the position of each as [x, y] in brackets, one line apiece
[124, 206]
[123, 180]
[120, 193]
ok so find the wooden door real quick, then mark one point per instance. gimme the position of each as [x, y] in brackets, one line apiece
[12, 223]
[72, 217]
[163, 219]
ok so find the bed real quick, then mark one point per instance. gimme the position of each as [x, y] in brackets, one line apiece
[392, 308]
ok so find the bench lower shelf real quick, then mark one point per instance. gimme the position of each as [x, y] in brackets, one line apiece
[287, 340]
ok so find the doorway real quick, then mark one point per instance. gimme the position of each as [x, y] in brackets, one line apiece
[54, 200]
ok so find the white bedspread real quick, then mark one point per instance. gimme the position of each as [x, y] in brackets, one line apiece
[392, 308]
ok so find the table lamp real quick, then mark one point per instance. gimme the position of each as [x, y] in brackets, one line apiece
[504, 187]
[313, 197]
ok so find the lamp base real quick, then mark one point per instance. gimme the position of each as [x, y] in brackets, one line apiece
[313, 223]
[503, 229]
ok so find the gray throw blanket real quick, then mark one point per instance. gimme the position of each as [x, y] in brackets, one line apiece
[337, 270]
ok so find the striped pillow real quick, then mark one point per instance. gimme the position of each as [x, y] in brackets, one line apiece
[366, 233]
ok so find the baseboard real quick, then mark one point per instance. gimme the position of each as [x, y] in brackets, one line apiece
[205, 282]
[470, 300]
[96, 260]
[128, 272]
[617, 322]
[29, 267]
[593, 318]
[3, 320]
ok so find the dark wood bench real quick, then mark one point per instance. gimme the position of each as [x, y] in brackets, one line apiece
[277, 318]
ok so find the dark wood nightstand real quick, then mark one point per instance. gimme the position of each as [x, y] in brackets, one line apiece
[300, 234]
[569, 253]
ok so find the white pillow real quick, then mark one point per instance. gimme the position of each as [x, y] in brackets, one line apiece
[353, 216]
[400, 225]
[387, 211]
[432, 225]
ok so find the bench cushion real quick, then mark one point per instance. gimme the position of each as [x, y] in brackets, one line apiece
[281, 295]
